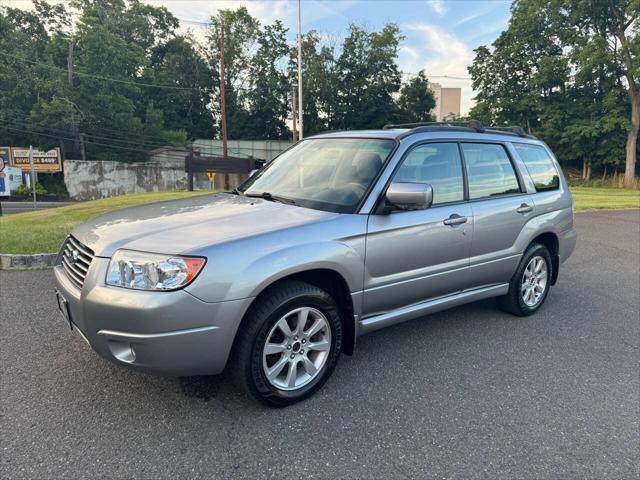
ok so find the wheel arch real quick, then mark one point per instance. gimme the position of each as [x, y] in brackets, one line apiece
[551, 242]
[329, 280]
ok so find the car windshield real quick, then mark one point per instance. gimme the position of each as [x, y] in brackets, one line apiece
[331, 174]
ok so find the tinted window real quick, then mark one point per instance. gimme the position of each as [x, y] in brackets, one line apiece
[489, 170]
[541, 168]
[437, 164]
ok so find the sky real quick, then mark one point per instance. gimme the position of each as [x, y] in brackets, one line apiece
[440, 35]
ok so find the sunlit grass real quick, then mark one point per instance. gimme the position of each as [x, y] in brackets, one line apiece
[43, 231]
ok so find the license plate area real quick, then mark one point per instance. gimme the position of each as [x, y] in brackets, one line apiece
[63, 306]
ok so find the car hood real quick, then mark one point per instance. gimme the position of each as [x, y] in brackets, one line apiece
[186, 225]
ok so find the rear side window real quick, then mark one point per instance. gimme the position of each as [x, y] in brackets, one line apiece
[437, 164]
[540, 166]
[489, 170]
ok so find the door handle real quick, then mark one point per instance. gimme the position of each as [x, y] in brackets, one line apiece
[524, 208]
[455, 219]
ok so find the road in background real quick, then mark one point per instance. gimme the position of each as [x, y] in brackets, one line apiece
[468, 393]
[17, 207]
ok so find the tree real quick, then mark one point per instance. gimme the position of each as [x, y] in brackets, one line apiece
[416, 101]
[319, 82]
[367, 78]
[560, 70]
[269, 89]
[240, 40]
[181, 62]
[610, 28]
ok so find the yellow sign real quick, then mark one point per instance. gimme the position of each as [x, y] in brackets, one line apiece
[211, 175]
[48, 161]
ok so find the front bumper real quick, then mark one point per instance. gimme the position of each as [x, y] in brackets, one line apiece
[171, 333]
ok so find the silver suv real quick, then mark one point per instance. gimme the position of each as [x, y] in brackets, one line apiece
[342, 234]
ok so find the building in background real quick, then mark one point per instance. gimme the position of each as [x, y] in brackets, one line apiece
[447, 102]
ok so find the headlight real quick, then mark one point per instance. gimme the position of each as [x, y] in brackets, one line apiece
[151, 271]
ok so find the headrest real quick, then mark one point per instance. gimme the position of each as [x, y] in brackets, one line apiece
[367, 165]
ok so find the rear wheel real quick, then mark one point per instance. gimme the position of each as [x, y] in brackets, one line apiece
[289, 344]
[529, 286]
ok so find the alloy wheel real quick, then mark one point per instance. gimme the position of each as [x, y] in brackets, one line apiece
[534, 281]
[297, 348]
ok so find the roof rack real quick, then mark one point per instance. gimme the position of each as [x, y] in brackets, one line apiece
[471, 125]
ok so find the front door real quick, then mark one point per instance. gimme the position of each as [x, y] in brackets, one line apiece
[413, 256]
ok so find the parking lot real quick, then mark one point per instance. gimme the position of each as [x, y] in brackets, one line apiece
[467, 393]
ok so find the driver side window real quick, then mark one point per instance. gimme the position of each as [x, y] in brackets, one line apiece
[439, 165]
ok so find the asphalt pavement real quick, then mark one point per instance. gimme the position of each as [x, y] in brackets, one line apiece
[469, 393]
[18, 207]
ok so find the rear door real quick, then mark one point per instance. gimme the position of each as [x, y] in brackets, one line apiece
[501, 207]
[413, 256]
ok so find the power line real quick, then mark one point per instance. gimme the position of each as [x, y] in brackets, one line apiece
[145, 139]
[165, 146]
[58, 137]
[100, 77]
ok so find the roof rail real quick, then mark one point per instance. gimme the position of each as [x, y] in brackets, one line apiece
[471, 125]
[517, 130]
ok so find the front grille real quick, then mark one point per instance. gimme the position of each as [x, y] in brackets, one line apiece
[76, 259]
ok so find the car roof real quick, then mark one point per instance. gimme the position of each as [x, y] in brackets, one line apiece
[431, 132]
[380, 133]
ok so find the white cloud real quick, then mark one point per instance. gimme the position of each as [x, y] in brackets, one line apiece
[437, 6]
[440, 53]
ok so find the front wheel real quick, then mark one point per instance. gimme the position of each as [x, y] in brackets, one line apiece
[289, 344]
[529, 287]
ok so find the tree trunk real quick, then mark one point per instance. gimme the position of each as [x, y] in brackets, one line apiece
[632, 138]
[634, 97]
[586, 170]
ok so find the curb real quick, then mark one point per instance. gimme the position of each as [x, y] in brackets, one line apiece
[26, 262]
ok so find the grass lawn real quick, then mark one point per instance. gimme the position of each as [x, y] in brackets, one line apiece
[43, 231]
[589, 198]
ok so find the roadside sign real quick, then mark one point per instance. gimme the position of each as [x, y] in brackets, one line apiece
[45, 162]
[4, 183]
[5, 157]
[211, 175]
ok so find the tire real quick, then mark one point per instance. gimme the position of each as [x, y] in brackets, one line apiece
[263, 323]
[516, 301]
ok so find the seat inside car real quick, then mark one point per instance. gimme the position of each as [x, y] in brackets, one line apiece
[367, 165]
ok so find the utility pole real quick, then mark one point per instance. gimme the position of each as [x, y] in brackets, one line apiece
[294, 113]
[33, 175]
[223, 111]
[70, 62]
[300, 70]
[77, 141]
[82, 152]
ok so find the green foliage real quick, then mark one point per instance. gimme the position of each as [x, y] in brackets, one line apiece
[416, 100]
[116, 79]
[24, 190]
[54, 184]
[557, 71]
[367, 78]
[118, 52]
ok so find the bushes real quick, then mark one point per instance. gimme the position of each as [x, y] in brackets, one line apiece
[23, 190]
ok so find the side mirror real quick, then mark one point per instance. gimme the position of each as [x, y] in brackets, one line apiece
[253, 172]
[410, 196]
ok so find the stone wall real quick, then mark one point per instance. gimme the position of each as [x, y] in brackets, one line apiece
[88, 180]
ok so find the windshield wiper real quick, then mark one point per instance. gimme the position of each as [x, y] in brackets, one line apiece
[271, 197]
